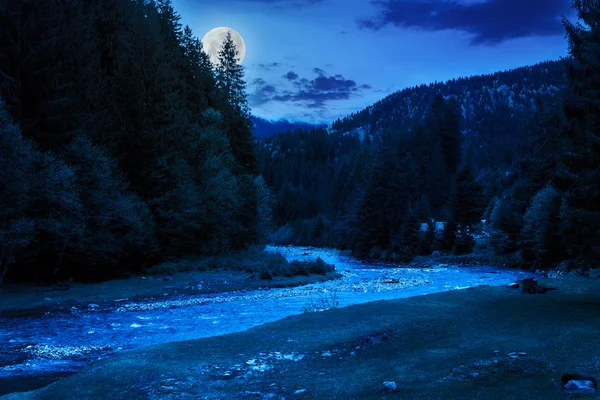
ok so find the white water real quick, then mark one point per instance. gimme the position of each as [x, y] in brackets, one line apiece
[60, 342]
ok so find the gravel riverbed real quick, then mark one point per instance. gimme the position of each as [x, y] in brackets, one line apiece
[59, 342]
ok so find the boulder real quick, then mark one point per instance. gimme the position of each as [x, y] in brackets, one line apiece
[530, 286]
[580, 388]
[578, 377]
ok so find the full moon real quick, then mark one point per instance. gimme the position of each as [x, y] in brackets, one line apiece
[213, 40]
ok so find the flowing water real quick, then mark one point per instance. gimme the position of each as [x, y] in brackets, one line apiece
[38, 348]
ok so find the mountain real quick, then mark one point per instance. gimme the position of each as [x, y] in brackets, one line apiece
[493, 107]
[358, 181]
[264, 128]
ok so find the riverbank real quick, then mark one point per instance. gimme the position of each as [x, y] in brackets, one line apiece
[477, 343]
[248, 270]
[21, 298]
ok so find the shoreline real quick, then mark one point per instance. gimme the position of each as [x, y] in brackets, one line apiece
[460, 341]
[16, 299]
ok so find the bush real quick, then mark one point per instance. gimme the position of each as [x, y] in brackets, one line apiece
[252, 260]
[320, 267]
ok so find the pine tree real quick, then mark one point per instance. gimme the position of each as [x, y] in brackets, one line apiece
[467, 200]
[540, 240]
[580, 180]
[238, 125]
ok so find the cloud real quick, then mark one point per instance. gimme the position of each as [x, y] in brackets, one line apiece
[280, 4]
[309, 93]
[290, 76]
[490, 22]
[269, 66]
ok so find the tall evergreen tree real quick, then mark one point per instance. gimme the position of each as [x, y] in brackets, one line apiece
[230, 79]
[580, 180]
[467, 201]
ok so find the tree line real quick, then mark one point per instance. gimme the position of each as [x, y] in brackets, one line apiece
[120, 143]
[517, 149]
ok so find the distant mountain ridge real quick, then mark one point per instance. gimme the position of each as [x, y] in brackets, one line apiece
[494, 107]
[264, 128]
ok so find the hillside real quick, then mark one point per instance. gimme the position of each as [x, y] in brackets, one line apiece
[370, 176]
[494, 108]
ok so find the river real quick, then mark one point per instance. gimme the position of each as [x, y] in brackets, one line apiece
[38, 349]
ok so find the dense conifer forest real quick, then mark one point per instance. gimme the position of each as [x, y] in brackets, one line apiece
[122, 145]
[517, 149]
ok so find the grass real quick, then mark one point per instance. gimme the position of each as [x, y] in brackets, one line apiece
[452, 345]
[254, 261]
[323, 302]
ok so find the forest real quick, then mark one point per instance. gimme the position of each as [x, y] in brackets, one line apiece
[512, 156]
[121, 146]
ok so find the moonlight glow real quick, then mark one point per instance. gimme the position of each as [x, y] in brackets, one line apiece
[213, 41]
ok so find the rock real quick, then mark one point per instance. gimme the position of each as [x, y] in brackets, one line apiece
[580, 388]
[436, 254]
[300, 391]
[530, 286]
[391, 385]
[578, 377]
[513, 285]
[326, 354]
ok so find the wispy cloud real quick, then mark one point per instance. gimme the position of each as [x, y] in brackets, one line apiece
[309, 93]
[490, 22]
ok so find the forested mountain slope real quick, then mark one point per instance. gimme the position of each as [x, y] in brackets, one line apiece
[493, 146]
[494, 108]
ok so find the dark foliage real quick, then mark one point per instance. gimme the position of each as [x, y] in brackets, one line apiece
[129, 146]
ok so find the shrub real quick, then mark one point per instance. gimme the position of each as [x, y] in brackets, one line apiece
[320, 267]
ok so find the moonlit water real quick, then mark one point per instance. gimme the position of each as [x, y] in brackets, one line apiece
[66, 340]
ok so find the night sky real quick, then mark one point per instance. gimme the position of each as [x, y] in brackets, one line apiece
[317, 60]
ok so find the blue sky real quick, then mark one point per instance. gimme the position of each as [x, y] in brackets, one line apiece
[317, 60]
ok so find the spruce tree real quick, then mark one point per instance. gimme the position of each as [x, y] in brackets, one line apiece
[580, 180]
[467, 200]
[230, 80]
